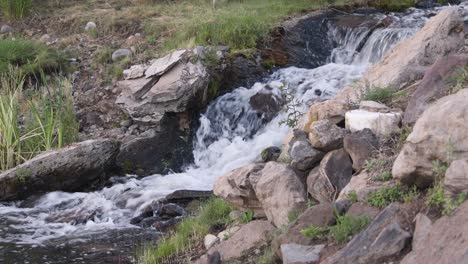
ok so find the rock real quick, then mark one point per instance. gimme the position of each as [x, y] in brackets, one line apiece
[382, 239]
[171, 210]
[439, 134]
[299, 254]
[226, 234]
[90, 26]
[382, 124]
[362, 209]
[270, 154]
[6, 29]
[135, 71]
[421, 230]
[236, 187]
[121, 54]
[267, 103]
[326, 136]
[442, 34]
[325, 182]
[182, 196]
[320, 215]
[236, 215]
[373, 106]
[362, 185]
[48, 39]
[360, 145]
[210, 240]
[332, 110]
[446, 242]
[126, 123]
[214, 258]
[68, 169]
[252, 235]
[435, 84]
[162, 65]
[280, 192]
[303, 156]
[456, 177]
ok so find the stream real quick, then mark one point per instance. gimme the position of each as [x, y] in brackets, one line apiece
[95, 227]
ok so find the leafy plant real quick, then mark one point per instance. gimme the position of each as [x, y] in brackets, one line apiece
[315, 232]
[346, 226]
[385, 176]
[385, 196]
[293, 215]
[459, 80]
[291, 107]
[382, 95]
[247, 216]
[353, 197]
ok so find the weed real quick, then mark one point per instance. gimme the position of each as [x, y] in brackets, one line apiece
[247, 216]
[310, 203]
[291, 108]
[385, 196]
[374, 164]
[293, 215]
[459, 80]
[382, 95]
[353, 197]
[346, 227]
[411, 194]
[315, 232]
[385, 176]
[15, 9]
[267, 257]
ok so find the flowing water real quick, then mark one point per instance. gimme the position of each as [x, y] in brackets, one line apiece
[95, 227]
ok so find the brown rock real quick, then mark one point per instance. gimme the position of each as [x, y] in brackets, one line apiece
[363, 209]
[326, 136]
[456, 177]
[360, 146]
[421, 230]
[362, 185]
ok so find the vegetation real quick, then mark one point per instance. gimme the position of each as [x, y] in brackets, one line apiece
[396, 193]
[15, 9]
[385, 176]
[267, 257]
[382, 95]
[291, 108]
[459, 80]
[353, 197]
[189, 233]
[346, 227]
[247, 216]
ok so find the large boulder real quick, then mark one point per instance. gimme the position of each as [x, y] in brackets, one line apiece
[280, 191]
[442, 35]
[68, 169]
[456, 177]
[362, 185]
[325, 182]
[385, 237]
[439, 134]
[361, 146]
[446, 241]
[435, 84]
[326, 136]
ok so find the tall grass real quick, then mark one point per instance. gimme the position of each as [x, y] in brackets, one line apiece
[15, 9]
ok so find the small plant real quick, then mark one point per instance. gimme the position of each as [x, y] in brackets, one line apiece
[347, 226]
[291, 108]
[315, 232]
[293, 216]
[411, 194]
[353, 197]
[247, 216]
[385, 176]
[385, 196]
[439, 168]
[459, 81]
[382, 95]
[374, 164]
[15, 9]
[310, 203]
[267, 257]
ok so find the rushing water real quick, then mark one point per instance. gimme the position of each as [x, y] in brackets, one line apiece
[95, 227]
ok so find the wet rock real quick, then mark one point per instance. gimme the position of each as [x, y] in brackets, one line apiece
[382, 124]
[318, 215]
[184, 196]
[441, 130]
[267, 103]
[299, 254]
[134, 72]
[326, 181]
[435, 84]
[422, 228]
[236, 188]
[68, 169]
[326, 136]
[252, 235]
[442, 34]
[456, 177]
[162, 65]
[171, 210]
[90, 26]
[361, 146]
[121, 54]
[270, 154]
[303, 156]
[446, 242]
[6, 29]
[280, 192]
[210, 240]
[382, 239]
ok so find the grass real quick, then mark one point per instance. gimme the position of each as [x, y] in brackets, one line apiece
[346, 227]
[32, 58]
[387, 195]
[267, 257]
[382, 95]
[247, 216]
[15, 9]
[188, 233]
[459, 80]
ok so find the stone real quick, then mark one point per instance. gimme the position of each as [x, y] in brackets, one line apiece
[236, 188]
[299, 254]
[270, 154]
[360, 145]
[162, 65]
[439, 134]
[126, 123]
[267, 103]
[90, 26]
[320, 215]
[48, 39]
[326, 136]
[373, 106]
[210, 240]
[382, 124]
[456, 177]
[435, 84]
[333, 110]
[363, 209]
[362, 185]
[236, 215]
[121, 54]
[134, 72]
[68, 169]
[303, 156]
[250, 236]
[422, 228]
[181, 196]
[325, 182]
[226, 234]
[407, 61]
[280, 192]
[6, 29]
[446, 241]
[382, 239]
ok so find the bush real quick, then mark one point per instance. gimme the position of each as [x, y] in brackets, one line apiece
[382, 95]
[385, 196]
[346, 227]
[15, 9]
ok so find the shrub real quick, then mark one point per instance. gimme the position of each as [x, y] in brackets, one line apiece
[385, 196]
[346, 227]
[15, 9]
[382, 95]
[247, 216]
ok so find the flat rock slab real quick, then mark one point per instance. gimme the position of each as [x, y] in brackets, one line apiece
[382, 124]
[162, 65]
[299, 254]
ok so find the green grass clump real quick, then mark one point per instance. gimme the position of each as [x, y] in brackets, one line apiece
[382, 95]
[189, 232]
[32, 58]
[385, 196]
[346, 227]
[15, 9]
[385, 176]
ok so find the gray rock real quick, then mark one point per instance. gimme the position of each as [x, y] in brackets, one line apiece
[90, 26]
[68, 169]
[121, 54]
[422, 228]
[135, 71]
[361, 146]
[162, 65]
[6, 29]
[299, 254]
[456, 177]
[210, 240]
[326, 136]
[126, 123]
[303, 156]
[267, 103]
[270, 154]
